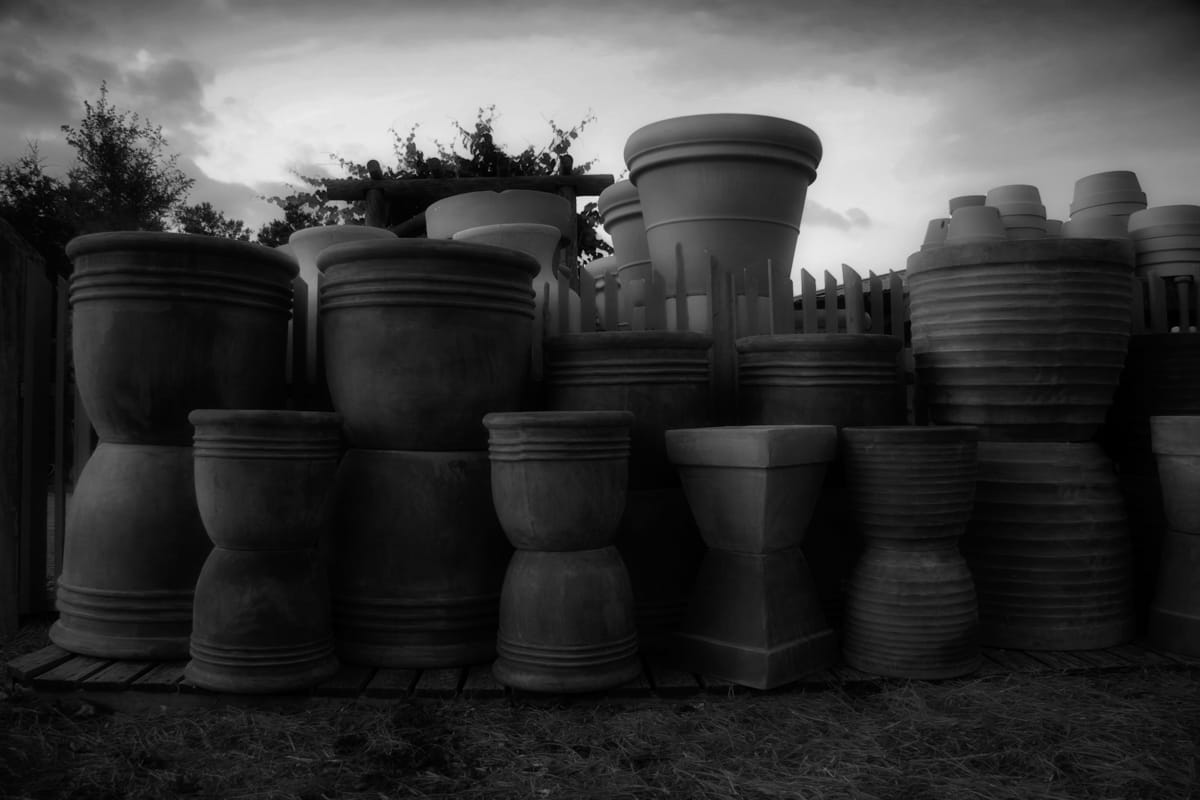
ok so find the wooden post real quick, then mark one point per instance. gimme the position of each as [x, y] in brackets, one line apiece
[62, 395]
[831, 309]
[808, 300]
[878, 318]
[36, 407]
[852, 286]
[15, 258]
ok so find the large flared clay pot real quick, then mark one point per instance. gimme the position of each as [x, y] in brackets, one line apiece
[662, 377]
[1161, 378]
[541, 242]
[450, 215]
[621, 213]
[975, 224]
[729, 187]
[819, 379]
[1106, 192]
[422, 338]
[911, 610]
[1174, 620]
[1176, 220]
[163, 323]
[418, 561]
[956, 203]
[752, 489]
[566, 622]
[559, 478]
[1176, 444]
[1049, 546]
[1025, 340]
[134, 547]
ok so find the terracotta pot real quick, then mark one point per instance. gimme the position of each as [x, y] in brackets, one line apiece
[1049, 547]
[1013, 193]
[1100, 227]
[167, 322]
[729, 186]
[975, 224]
[422, 338]
[1024, 339]
[911, 610]
[966, 200]
[1176, 444]
[1176, 220]
[662, 377]
[935, 233]
[133, 550]
[418, 559]
[754, 617]
[559, 477]
[450, 215]
[1054, 227]
[1107, 193]
[621, 213]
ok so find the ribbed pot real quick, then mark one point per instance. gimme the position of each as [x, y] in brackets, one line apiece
[424, 337]
[559, 478]
[163, 323]
[621, 212]
[819, 379]
[1176, 443]
[911, 609]
[1023, 339]
[418, 559]
[662, 377]
[729, 186]
[1048, 544]
[133, 550]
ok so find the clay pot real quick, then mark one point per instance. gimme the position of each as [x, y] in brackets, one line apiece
[1054, 227]
[458, 212]
[418, 559]
[727, 186]
[422, 338]
[966, 200]
[261, 620]
[1176, 444]
[911, 610]
[1024, 339]
[1115, 193]
[1177, 220]
[621, 213]
[935, 233]
[975, 224]
[1100, 227]
[166, 322]
[754, 616]
[819, 379]
[1049, 547]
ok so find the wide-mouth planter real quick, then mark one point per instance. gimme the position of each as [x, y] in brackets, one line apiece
[424, 337]
[662, 377]
[263, 477]
[308, 243]
[819, 378]
[1025, 339]
[450, 215]
[163, 323]
[559, 478]
[752, 488]
[729, 187]
[621, 212]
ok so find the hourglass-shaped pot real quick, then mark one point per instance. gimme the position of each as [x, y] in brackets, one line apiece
[263, 485]
[559, 480]
[911, 609]
[162, 323]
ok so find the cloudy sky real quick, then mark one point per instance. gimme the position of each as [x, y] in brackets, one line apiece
[915, 101]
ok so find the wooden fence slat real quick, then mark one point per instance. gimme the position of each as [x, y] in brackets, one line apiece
[831, 309]
[899, 307]
[682, 312]
[13, 258]
[36, 405]
[878, 318]
[587, 303]
[751, 300]
[724, 354]
[612, 310]
[853, 288]
[808, 300]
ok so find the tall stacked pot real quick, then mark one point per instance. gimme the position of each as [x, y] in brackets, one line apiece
[422, 339]
[1026, 340]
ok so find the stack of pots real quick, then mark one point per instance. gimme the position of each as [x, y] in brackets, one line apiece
[621, 214]
[1166, 242]
[663, 378]
[723, 187]
[1026, 341]
[1102, 205]
[1021, 210]
[163, 323]
[422, 339]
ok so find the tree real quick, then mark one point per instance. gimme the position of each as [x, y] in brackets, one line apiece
[38, 205]
[473, 154]
[204, 219]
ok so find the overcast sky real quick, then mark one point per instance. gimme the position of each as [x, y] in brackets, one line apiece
[915, 101]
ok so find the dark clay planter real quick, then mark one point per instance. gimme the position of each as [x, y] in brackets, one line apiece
[261, 621]
[559, 481]
[422, 338]
[911, 610]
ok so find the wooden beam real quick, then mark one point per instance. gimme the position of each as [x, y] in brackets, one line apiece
[428, 190]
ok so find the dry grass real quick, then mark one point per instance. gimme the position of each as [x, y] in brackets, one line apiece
[1128, 735]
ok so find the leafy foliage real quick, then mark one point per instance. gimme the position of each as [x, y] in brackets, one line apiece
[39, 206]
[204, 219]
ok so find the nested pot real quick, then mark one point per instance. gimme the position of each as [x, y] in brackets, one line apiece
[424, 337]
[662, 377]
[167, 322]
[621, 212]
[1024, 339]
[1176, 443]
[911, 608]
[727, 186]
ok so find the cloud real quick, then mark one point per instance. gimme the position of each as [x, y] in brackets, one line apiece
[33, 93]
[817, 214]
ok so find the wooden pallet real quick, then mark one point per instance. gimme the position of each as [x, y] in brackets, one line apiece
[146, 683]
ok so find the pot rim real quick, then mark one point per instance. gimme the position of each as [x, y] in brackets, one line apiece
[417, 253]
[932, 434]
[774, 133]
[629, 340]
[539, 420]
[1090, 250]
[752, 446]
[784, 342]
[265, 418]
[186, 243]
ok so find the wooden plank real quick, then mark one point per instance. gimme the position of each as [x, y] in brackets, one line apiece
[69, 673]
[831, 309]
[1059, 661]
[164, 677]
[440, 682]
[987, 668]
[423, 191]
[390, 682]
[349, 681]
[1102, 659]
[30, 665]
[847, 674]
[852, 286]
[821, 679]
[808, 301]
[1170, 657]
[714, 685]
[480, 682]
[667, 681]
[116, 676]
[1014, 660]
[36, 438]
[1138, 653]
